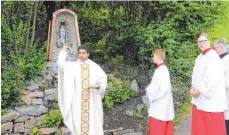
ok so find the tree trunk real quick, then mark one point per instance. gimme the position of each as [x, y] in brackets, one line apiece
[34, 21]
[28, 31]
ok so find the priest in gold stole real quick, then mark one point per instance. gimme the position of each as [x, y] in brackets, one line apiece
[81, 87]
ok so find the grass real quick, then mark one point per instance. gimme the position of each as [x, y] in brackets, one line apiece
[186, 111]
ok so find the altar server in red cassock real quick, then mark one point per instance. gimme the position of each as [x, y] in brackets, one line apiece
[208, 92]
[160, 99]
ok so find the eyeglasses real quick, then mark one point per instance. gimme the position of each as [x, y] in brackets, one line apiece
[202, 41]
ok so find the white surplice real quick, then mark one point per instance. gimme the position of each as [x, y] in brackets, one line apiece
[208, 79]
[225, 65]
[69, 94]
[160, 97]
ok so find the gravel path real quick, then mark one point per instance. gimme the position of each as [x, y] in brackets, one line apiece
[184, 128]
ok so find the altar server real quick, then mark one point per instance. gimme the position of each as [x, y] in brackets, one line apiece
[160, 99]
[208, 91]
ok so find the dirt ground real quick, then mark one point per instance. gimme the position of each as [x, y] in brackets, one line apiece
[116, 117]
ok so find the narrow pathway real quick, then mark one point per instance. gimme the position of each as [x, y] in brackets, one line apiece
[184, 128]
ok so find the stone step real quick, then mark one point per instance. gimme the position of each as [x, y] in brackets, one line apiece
[136, 133]
[126, 131]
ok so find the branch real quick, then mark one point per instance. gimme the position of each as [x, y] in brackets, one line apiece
[34, 22]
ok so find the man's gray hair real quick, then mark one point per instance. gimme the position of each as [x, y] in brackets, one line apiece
[220, 43]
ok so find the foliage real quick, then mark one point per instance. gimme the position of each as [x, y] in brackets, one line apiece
[119, 92]
[34, 131]
[117, 64]
[54, 118]
[186, 110]
[181, 97]
[220, 30]
[138, 112]
[4, 111]
[20, 61]
[123, 34]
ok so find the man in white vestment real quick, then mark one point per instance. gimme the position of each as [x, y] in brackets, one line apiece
[221, 48]
[81, 87]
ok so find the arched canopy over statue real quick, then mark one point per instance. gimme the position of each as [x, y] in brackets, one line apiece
[64, 30]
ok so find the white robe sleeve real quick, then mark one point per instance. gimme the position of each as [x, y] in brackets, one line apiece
[102, 81]
[65, 83]
[62, 59]
[227, 75]
[158, 86]
[210, 79]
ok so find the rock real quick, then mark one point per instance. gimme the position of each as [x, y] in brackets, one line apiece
[41, 81]
[32, 110]
[49, 80]
[37, 101]
[19, 127]
[32, 86]
[50, 94]
[126, 131]
[43, 72]
[40, 120]
[129, 113]
[9, 116]
[55, 70]
[140, 106]
[22, 119]
[48, 77]
[29, 124]
[50, 97]
[6, 127]
[46, 102]
[50, 72]
[67, 133]
[51, 64]
[56, 76]
[134, 86]
[136, 133]
[24, 92]
[37, 94]
[64, 131]
[47, 131]
[26, 99]
[55, 85]
[50, 91]
[111, 76]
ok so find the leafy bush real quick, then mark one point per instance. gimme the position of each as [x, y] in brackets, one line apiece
[138, 112]
[20, 61]
[4, 111]
[34, 131]
[119, 92]
[54, 118]
[181, 97]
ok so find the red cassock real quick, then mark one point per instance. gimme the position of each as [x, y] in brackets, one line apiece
[159, 127]
[207, 123]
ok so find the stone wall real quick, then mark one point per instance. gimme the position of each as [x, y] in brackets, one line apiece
[38, 99]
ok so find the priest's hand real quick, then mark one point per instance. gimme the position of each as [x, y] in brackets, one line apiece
[194, 93]
[65, 47]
